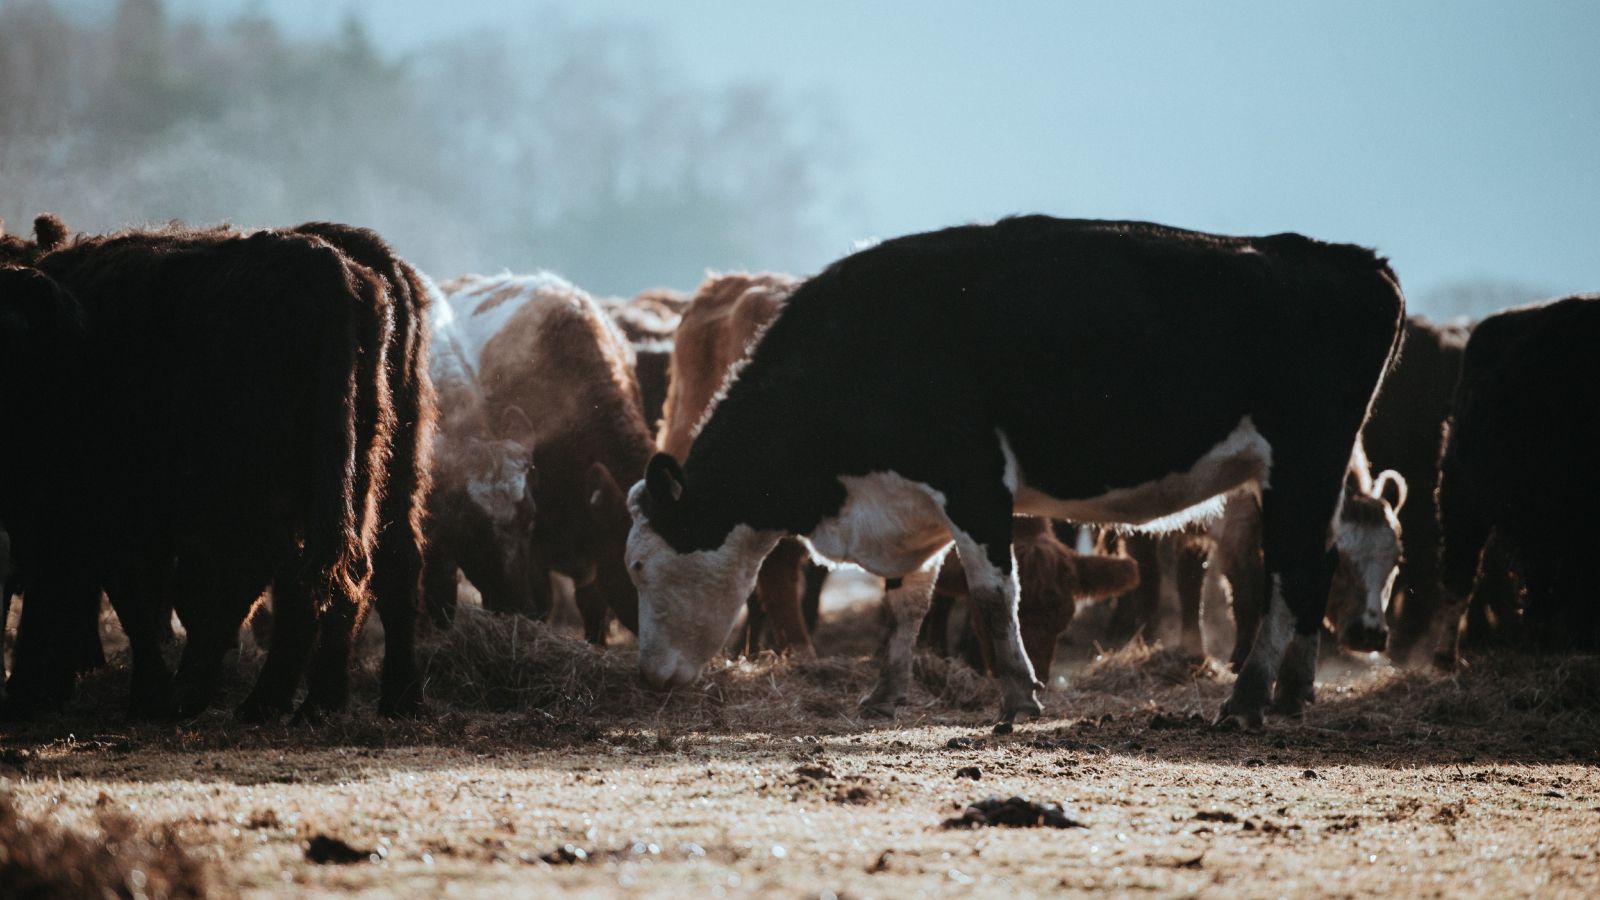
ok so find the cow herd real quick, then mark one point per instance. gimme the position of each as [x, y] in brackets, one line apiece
[198, 418]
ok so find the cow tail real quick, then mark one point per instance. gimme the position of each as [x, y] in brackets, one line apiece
[353, 425]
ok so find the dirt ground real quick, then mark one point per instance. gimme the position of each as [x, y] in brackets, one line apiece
[545, 767]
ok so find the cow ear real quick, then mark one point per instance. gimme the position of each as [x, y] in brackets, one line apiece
[663, 479]
[515, 424]
[1386, 480]
[49, 232]
[606, 502]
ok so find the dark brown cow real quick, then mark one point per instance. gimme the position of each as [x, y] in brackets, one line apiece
[650, 323]
[718, 329]
[208, 471]
[558, 377]
[1405, 433]
[1054, 579]
[1519, 470]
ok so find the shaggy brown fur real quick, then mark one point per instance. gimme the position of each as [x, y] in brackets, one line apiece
[236, 403]
[561, 367]
[1054, 578]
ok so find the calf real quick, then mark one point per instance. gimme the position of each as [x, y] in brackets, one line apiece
[559, 370]
[1518, 466]
[1053, 578]
[973, 331]
[718, 330]
[207, 472]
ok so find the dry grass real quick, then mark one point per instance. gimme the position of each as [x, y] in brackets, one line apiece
[546, 766]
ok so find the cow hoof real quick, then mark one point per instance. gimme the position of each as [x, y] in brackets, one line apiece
[309, 714]
[1289, 709]
[1004, 727]
[1240, 717]
[1027, 707]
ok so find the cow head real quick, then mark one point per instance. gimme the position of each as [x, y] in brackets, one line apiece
[1368, 546]
[692, 580]
[498, 482]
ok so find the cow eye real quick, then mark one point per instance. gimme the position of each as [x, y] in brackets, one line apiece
[638, 565]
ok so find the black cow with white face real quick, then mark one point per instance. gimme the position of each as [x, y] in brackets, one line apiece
[919, 393]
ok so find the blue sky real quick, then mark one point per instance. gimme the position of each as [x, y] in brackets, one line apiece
[1460, 138]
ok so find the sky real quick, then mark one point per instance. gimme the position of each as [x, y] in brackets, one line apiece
[1460, 138]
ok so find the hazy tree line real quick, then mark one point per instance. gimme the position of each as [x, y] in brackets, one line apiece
[552, 145]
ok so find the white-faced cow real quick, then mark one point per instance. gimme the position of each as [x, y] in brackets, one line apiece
[1519, 468]
[557, 364]
[1405, 433]
[922, 391]
[718, 331]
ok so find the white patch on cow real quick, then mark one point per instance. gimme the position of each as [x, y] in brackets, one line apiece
[1009, 476]
[688, 601]
[888, 525]
[1242, 458]
[474, 321]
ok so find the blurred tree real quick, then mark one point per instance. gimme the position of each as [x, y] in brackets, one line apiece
[540, 145]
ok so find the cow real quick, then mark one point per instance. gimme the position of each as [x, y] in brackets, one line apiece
[1518, 469]
[1406, 434]
[1053, 579]
[208, 472]
[718, 330]
[650, 323]
[558, 366]
[1009, 345]
[481, 510]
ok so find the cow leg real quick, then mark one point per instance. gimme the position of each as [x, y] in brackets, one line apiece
[140, 602]
[1191, 576]
[396, 586]
[1136, 612]
[213, 590]
[992, 584]
[755, 622]
[904, 606]
[294, 632]
[596, 614]
[1464, 536]
[439, 585]
[42, 677]
[1237, 555]
[816, 577]
[778, 587]
[936, 625]
[1295, 517]
[328, 682]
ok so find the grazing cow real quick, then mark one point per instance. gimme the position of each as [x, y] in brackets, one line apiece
[1519, 467]
[717, 332]
[1368, 552]
[1009, 344]
[1405, 433]
[557, 365]
[210, 472]
[650, 323]
[1053, 578]
[481, 510]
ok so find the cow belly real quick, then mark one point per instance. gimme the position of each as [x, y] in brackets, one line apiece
[1242, 458]
[889, 525]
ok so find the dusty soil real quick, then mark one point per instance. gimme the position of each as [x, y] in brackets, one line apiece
[546, 767]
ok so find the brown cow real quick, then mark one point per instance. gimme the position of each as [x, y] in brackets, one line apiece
[718, 329]
[650, 322]
[1054, 579]
[558, 377]
[208, 472]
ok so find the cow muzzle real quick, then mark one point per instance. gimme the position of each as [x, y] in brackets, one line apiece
[1365, 638]
[667, 672]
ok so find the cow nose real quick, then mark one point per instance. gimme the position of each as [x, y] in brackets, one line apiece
[1367, 639]
[665, 674]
